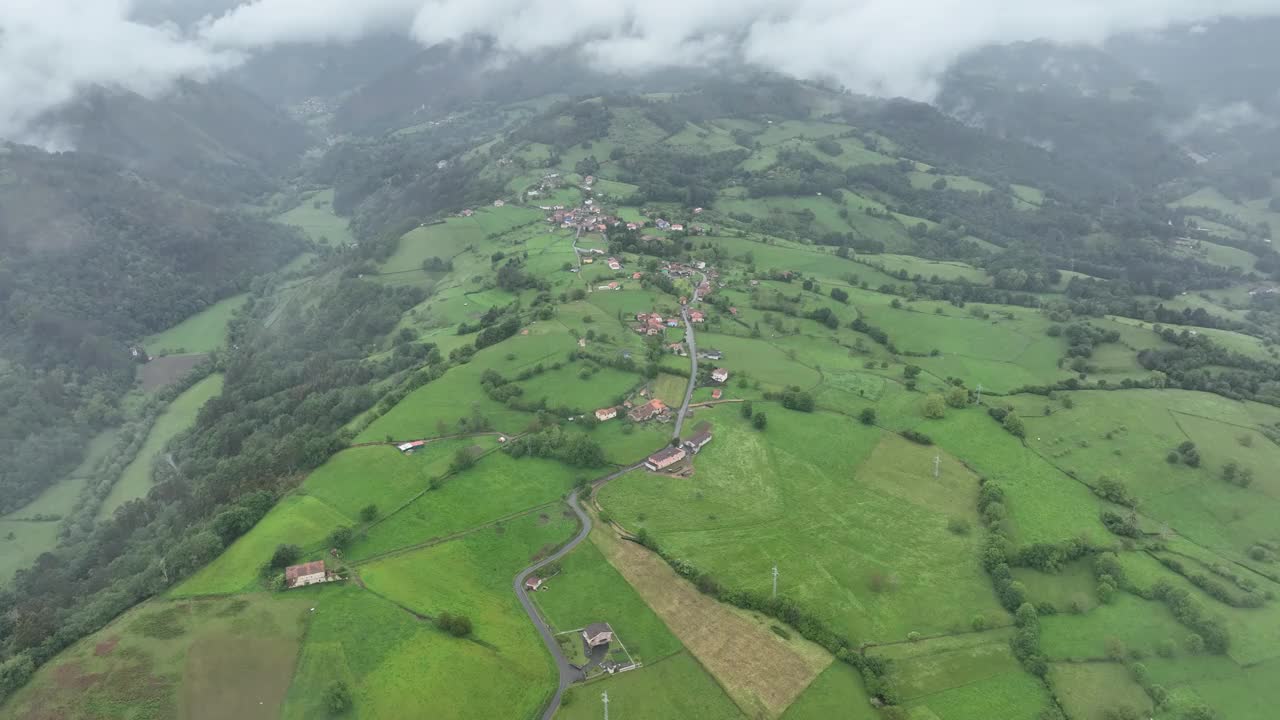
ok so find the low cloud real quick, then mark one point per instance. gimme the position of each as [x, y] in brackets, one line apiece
[52, 50]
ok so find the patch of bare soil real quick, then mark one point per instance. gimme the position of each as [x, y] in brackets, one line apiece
[168, 369]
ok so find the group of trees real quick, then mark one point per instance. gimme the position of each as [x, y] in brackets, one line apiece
[571, 448]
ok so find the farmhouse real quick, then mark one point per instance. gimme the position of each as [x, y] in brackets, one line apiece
[696, 316]
[499, 203]
[647, 411]
[677, 227]
[697, 442]
[710, 354]
[664, 458]
[410, 446]
[533, 583]
[608, 413]
[720, 375]
[306, 574]
[597, 634]
[614, 264]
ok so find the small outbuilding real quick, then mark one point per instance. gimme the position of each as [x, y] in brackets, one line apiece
[533, 583]
[597, 634]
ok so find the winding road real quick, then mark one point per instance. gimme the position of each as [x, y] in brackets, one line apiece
[569, 674]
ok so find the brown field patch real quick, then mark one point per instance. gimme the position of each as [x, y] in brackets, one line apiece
[106, 647]
[760, 670]
[165, 370]
[238, 677]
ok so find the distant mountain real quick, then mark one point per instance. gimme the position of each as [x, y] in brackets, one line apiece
[291, 74]
[445, 78]
[215, 141]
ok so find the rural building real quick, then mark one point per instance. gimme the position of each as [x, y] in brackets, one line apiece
[533, 583]
[608, 413]
[647, 411]
[597, 634]
[697, 442]
[410, 446]
[677, 227]
[696, 316]
[306, 574]
[664, 458]
[716, 393]
[711, 354]
[499, 203]
[615, 265]
[720, 375]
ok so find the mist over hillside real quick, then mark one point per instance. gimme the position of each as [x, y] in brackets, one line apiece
[879, 360]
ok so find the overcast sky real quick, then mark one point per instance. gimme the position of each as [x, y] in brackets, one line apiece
[52, 50]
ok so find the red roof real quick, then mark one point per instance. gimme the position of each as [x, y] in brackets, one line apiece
[293, 572]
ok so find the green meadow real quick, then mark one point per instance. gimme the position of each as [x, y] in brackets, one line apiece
[203, 332]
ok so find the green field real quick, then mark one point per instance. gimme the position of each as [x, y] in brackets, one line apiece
[315, 217]
[502, 670]
[1089, 691]
[135, 481]
[752, 501]
[203, 332]
[587, 589]
[673, 688]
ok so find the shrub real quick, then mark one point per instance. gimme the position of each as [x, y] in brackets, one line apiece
[913, 636]
[455, 625]
[337, 698]
[918, 438]
[958, 526]
[935, 407]
[369, 513]
[867, 416]
[1013, 424]
[285, 555]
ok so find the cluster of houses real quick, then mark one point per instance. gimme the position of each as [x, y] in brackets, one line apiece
[653, 323]
[668, 456]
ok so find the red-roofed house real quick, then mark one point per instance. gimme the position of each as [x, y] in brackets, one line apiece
[647, 411]
[665, 458]
[696, 316]
[306, 574]
[533, 583]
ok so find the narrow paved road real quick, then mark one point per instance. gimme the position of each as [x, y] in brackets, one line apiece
[693, 362]
[568, 673]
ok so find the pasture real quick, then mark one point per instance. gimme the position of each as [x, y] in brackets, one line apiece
[1090, 691]
[204, 659]
[315, 217]
[799, 495]
[135, 481]
[760, 670]
[502, 668]
[973, 676]
[673, 688]
[201, 333]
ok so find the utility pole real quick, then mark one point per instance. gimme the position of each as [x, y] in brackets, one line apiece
[937, 464]
[604, 696]
[775, 581]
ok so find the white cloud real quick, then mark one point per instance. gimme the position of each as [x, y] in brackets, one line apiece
[50, 50]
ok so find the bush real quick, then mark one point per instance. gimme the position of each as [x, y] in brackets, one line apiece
[455, 625]
[918, 438]
[369, 513]
[1013, 424]
[935, 407]
[759, 421]
[337, 698]
[285, 555]
[958, 526]
[867, 416]
[341, 537]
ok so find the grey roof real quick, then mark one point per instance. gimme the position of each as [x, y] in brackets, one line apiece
[700, 439]
[595, 629]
